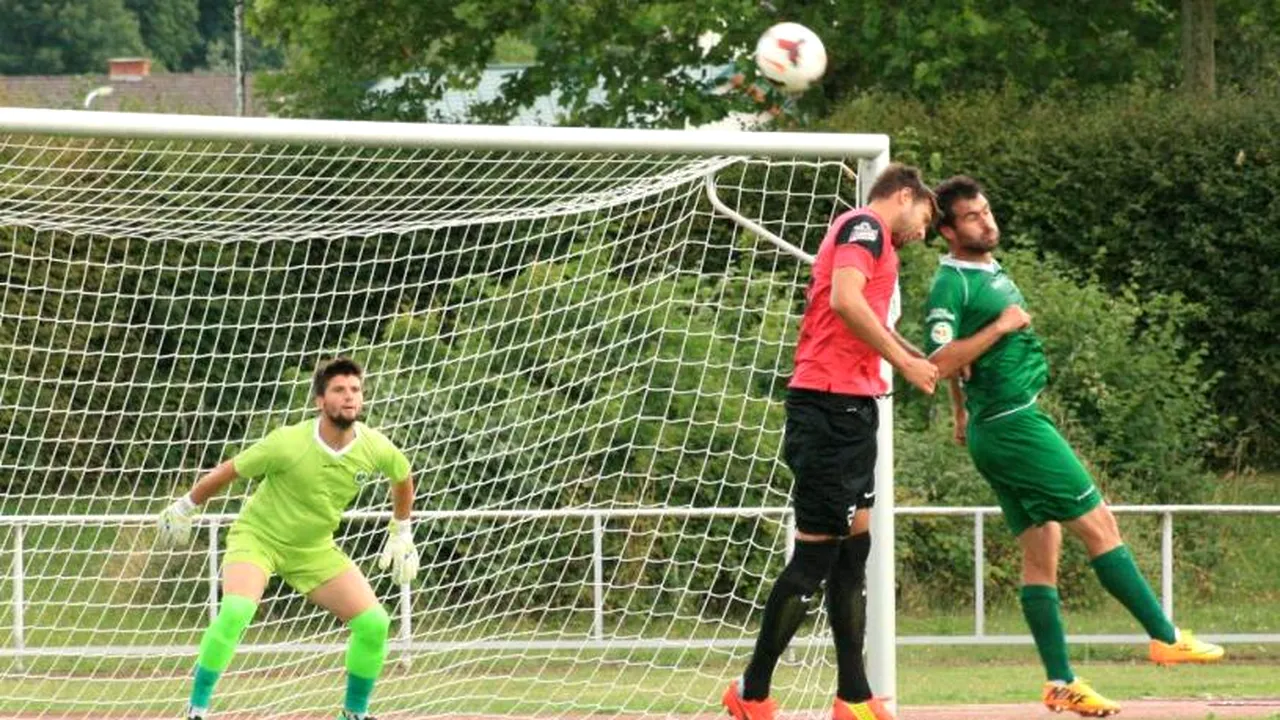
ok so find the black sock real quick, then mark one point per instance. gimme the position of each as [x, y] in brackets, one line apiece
[847, 610]
[785, 610]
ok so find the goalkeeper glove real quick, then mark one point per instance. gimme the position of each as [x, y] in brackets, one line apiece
[399, 553]
[174, 523]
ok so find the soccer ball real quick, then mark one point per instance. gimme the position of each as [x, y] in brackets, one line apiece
[791, 56]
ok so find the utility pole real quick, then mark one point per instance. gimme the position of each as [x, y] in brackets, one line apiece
[239, 50]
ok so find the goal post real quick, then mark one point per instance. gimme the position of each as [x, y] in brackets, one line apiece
[580, 337]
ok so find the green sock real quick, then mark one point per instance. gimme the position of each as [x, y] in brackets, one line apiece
[1040, 606]
[1121, 577]
[218, 645]
[202, 687]
[366, 652]
[358, 691]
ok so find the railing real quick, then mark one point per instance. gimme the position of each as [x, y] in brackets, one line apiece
[596, 638]
[1166, 513]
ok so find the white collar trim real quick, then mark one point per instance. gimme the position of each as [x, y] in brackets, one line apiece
[345, 448]
[952, 261]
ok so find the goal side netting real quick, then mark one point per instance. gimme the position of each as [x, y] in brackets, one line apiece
[581, 350]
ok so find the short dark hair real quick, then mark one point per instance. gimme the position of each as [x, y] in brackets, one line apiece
[331, 369]
[951, 190]
[897, 176]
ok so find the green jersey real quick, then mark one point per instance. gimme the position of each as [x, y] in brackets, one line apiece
[964, 298]
[306, 484]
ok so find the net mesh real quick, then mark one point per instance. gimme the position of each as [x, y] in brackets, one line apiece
[582, 361]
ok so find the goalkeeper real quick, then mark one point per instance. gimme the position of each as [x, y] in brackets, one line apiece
[310, 472]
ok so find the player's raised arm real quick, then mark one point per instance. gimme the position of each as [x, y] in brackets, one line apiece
[850, 304]
[174, 523]
[955, 355]
[906, 344]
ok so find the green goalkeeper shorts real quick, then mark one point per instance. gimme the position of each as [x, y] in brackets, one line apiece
[1033, 471]
[304, 568]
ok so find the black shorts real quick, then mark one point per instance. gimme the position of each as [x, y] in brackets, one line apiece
[830, 446]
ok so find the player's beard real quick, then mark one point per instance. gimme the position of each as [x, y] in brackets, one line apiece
[903, 232]
[901, 238]
[980, 244]
[340, 421]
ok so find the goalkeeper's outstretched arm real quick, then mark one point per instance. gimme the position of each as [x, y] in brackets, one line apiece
[212, 482]
[399, 553]
[174, 523]
[402, 499]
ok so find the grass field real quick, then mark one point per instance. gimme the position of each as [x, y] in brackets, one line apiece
[635, 681]
[1240, 594]
[612, 684]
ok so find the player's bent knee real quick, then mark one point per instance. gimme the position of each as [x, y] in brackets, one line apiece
[372, 625]
[224, 633]
[368, 648]
[810, 564]
[1112, 524]
[1040, 545]
[234, 615]
[851, 566]
[1098, 530]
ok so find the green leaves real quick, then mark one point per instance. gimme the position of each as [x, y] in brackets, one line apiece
[647, 63]
[65, 36]
[169, 29]
[1153, 193]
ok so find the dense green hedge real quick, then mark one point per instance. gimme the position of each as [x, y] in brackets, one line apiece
[1153, 193]
[1124, 387]
[703, 428]
[648, 371]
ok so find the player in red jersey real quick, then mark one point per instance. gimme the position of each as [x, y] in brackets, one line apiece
[830, 442]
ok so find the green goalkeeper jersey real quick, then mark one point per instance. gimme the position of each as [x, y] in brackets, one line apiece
[964, 298]
[306, 484]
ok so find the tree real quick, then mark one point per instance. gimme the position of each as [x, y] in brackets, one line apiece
[1198, 28]
[1246, 52]
[169, 29]
[216, 49]
[65, 36]
[646, 59]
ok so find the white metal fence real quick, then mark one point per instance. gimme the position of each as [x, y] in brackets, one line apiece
[596, 638]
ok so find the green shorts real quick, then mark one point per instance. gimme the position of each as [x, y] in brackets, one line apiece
[304, 568]
[1033, 471]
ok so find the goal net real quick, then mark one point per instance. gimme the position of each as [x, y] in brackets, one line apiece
[574, 340]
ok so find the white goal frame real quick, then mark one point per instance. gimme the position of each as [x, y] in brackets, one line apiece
[870, 150]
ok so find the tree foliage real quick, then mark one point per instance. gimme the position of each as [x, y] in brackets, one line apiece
[78, 36]
[170, 29]
[52, 37]
[647, 60]
[1185, 206]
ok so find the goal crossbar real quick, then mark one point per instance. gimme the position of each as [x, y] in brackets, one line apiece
[153, 126]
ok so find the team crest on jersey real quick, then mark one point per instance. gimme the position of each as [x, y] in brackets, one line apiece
[941, 334]
[363, 477]
[940, 314]
[865, 232]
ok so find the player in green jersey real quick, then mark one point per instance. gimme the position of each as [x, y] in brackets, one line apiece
[977, 326]
[309, 473]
